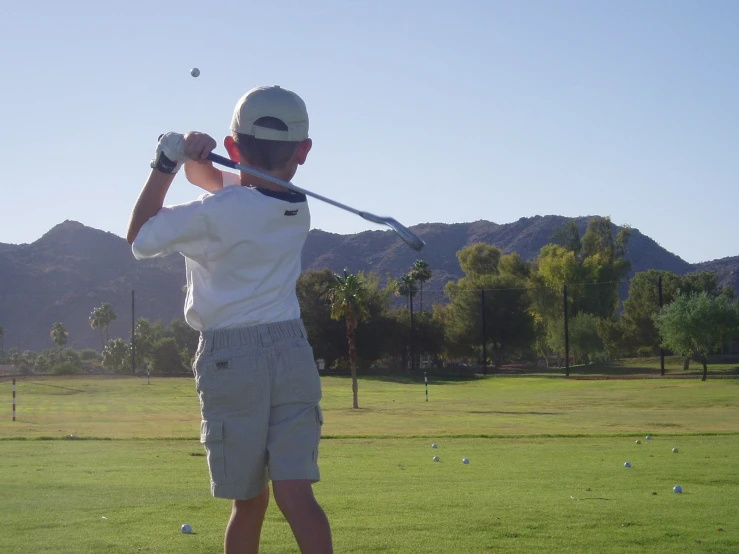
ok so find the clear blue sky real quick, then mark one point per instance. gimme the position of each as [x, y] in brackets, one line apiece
[428, 111]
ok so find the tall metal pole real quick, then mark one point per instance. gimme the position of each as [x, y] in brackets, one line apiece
[133, 333]
[567, 337]
[661, 350]
[484, 335]
[413, 350]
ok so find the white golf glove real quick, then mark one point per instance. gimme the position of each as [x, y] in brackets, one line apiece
[170, 154]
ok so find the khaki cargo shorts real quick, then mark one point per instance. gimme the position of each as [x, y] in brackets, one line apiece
[259, 395]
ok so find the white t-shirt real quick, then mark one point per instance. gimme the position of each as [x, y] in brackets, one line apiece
[242, 250]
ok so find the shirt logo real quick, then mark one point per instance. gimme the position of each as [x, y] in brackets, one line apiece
[291, 212]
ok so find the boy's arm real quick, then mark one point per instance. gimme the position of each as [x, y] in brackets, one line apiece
[199, 170]
[204, 175]
[169, 157]
[150, 201]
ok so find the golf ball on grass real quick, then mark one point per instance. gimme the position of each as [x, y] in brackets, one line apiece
[434, 446]
[677, 489]
[195, 72]
[638, 441]
[465, 460]
[649, 437]
[436, 458]
[627, 464]
[186, 529]
[674, 450]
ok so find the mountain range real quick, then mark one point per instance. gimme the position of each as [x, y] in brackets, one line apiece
[74, 268]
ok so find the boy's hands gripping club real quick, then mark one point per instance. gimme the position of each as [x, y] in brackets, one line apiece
[174, 149]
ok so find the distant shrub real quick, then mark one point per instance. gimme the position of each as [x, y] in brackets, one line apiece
[88, 354]
[65, 369]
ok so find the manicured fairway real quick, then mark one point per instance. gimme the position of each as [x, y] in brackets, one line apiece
[386, 495]
[168, 408]
[548, 477]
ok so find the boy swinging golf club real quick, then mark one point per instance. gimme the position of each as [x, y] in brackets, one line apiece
[255, 373]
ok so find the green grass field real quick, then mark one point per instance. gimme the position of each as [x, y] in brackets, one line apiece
[546, 467]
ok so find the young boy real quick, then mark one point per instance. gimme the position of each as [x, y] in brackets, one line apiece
[255, 373]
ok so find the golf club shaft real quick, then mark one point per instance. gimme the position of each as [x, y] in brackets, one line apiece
[274, 180]
[409, 237]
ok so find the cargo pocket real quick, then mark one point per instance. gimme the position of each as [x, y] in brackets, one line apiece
[211, 436]
[305, 383]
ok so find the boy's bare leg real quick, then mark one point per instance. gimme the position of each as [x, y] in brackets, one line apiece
[306, 518]
[245, 525]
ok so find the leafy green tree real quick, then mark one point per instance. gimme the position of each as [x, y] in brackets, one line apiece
[479, 260]
[635, 331]
[348, 297]
[509, 323]
[89, 354]
[69, 356]
[421, 273]
[592, 267]
[638, 331]
[705, 281]
[42, 364]
[29, 358]
[186, 338]
[568, 237]
[698, 325]
[584, 338]
[374, 332]
[59, 334]
[599, 258]
[117, 355]
[147, 334]
[165, 357]
[327, 335]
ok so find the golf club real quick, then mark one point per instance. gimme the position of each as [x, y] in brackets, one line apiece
[410, 238]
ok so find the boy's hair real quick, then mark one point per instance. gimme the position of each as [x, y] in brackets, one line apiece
[267, 155]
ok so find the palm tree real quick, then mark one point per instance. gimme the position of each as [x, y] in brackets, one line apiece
[348, 296]
[407, 288]
[96, 322]
[101, 318]
[421, 273]
[108, 317]
[59, 334]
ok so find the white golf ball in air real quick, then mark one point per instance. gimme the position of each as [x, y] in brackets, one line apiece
[186, 528]
[465, 460]
[195, 72]
[436, 458]
[677, 489]
[627, 464]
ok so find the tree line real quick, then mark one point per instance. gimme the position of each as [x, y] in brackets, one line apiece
[506, 309]
[503, 309]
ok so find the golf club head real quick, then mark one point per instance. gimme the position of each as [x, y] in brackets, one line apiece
[408, 236]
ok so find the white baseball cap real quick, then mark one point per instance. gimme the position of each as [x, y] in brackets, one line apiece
[275, 102]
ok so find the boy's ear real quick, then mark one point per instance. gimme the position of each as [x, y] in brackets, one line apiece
[302, 151]
[233, 150]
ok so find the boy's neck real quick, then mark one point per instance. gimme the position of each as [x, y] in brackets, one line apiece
[248, 180]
